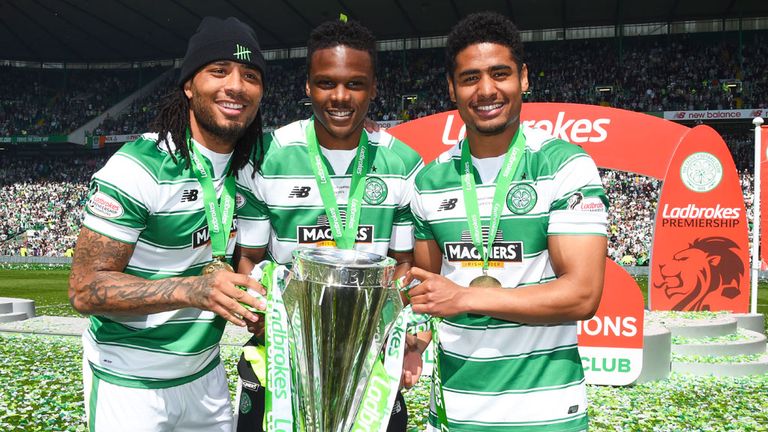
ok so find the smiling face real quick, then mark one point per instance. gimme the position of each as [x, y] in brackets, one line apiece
[487, 87]
[224, 98]
[341, 85]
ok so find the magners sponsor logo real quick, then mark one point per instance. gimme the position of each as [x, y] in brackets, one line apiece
[321, 234]
[202, 236]
[501, 251]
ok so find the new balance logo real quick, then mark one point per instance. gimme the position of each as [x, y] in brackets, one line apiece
[189, 195]
[242, 53]
[299, 192]
[448, 204]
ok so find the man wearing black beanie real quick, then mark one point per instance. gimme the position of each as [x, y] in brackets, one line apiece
[151, 266]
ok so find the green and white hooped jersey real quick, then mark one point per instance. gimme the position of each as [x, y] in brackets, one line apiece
[499, 375]
[281, 207]
[142, 197]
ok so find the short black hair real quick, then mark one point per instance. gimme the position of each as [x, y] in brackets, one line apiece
[334, 33]
[483, 27]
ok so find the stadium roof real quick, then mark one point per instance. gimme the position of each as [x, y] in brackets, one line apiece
[135, 30]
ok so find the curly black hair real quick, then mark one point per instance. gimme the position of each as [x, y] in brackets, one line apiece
[333, 33]
[483, 27]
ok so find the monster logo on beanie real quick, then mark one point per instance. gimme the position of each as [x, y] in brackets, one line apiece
[221, 39]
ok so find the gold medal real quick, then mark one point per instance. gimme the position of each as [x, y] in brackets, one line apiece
[218, 263]
[485, 281]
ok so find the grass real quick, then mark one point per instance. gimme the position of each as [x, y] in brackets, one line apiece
[47, 287]
[40, 378]
[41, 391]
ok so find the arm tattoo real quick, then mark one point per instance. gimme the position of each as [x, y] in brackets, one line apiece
[98, 284]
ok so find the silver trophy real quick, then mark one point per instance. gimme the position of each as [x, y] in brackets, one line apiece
[341, 306]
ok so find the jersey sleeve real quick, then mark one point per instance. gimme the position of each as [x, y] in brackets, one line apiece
[252, 214]
[118, 201]
[580, 205]
[421, 227]
[402, 229]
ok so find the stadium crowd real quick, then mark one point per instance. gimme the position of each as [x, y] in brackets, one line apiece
[42, 204]
[43, 207]
[658, 73]
[56, 102]
[42, 201]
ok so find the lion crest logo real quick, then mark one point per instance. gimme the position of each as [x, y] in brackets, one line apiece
[708, 267]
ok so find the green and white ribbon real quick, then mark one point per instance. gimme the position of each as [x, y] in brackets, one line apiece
[279, 395]
[504, 179]
[343, 234]
[438, 394]
[218, 213]
[379, 396]
[422, 322]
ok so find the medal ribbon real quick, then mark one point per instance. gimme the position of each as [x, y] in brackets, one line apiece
[504, 179]
[344, 236]
[219, 213]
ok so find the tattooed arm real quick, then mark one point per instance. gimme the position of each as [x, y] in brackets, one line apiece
[97, 285]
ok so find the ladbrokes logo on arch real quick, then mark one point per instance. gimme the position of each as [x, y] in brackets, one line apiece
[700, 217]
[573, 130]
[569, 128]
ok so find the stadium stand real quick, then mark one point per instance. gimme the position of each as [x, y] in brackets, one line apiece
[42, 204]
[660, 73]
[43, 201]
[55, 102]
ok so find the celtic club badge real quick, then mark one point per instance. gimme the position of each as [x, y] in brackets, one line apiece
[375, 191]
[521, 198]
[245, 403]
[701, 172]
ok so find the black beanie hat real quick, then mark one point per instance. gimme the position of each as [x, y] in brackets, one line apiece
[221, 39]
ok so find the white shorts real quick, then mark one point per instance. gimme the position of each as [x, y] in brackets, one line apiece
[200, 405]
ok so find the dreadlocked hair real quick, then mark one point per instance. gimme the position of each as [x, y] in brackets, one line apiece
[173, 119]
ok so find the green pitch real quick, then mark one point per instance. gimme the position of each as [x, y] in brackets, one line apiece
[40, 379]
[48, 288]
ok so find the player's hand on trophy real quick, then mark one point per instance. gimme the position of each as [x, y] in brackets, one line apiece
[255, 327]
[436, 295]
[225, 293]
[412, 362]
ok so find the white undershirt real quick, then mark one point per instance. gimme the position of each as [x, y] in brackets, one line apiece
[339, 159]
[488, 168]
[218, 160]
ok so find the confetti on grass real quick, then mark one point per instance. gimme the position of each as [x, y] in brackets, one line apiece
[41, 385]
[40, 380]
